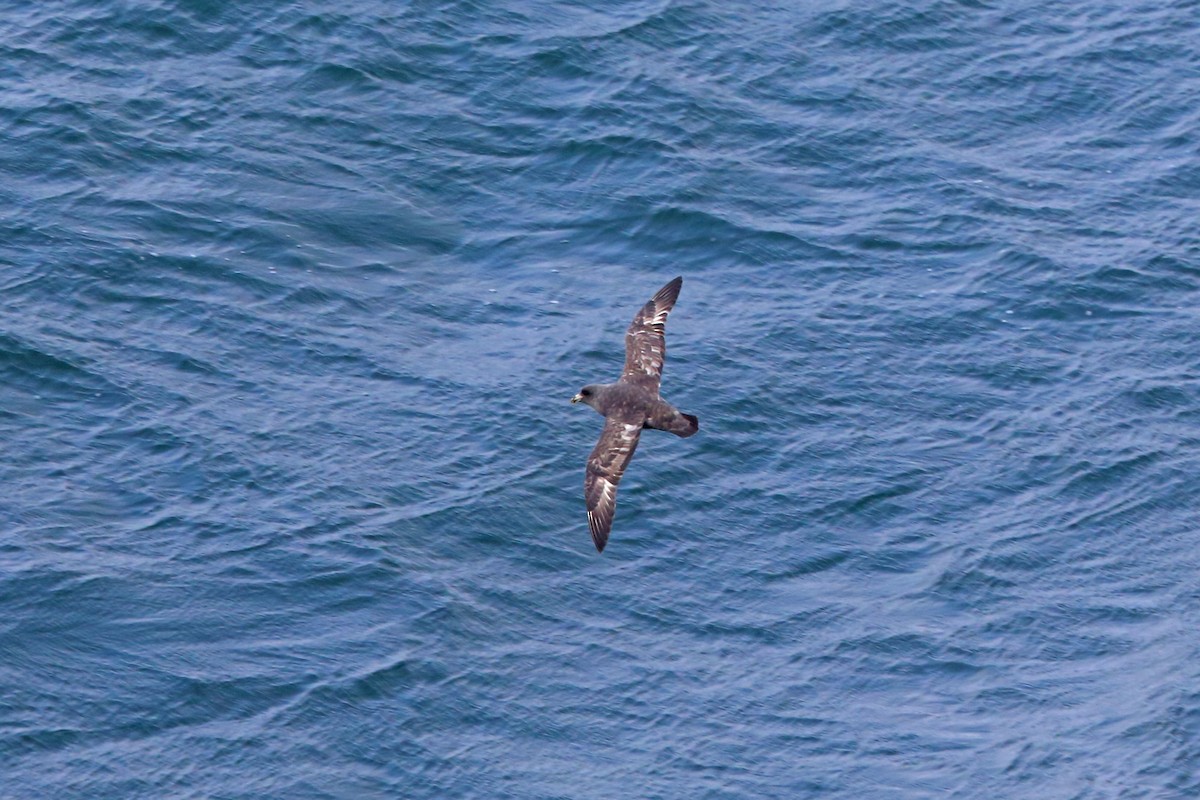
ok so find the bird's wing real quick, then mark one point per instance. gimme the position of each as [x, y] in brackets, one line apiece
[605, 467]
[645, 343]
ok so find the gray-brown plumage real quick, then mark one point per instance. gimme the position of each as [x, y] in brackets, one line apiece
[630, 404]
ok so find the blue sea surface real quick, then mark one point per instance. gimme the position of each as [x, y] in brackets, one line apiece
[293, 298]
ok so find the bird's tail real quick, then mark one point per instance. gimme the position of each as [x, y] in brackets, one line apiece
[667, 418]
[693, 425]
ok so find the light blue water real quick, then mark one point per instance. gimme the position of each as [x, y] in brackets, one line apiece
[292, 303]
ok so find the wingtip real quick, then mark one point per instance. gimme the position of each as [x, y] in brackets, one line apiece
[668, 293]
[599, 534]
[600, 539]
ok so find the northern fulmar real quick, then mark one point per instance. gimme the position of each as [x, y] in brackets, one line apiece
[630, 404]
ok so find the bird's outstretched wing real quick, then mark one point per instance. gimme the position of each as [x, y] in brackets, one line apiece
[605, 467]
[645, 343]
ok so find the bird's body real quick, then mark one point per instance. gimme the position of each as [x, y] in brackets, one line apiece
[628, 406]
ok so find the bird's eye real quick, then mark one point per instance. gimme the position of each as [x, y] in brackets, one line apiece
[586, 392]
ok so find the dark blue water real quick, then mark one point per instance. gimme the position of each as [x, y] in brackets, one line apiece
[293, 300]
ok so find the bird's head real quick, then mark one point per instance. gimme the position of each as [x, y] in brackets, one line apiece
[587, 395]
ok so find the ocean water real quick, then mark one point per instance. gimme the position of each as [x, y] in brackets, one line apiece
[293, 298]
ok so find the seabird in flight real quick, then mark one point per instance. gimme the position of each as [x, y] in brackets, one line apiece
[630, 404]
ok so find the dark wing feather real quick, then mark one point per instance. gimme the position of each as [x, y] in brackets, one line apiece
[605, 467]
[645, 343]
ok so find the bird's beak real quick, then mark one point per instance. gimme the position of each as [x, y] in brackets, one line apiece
[577, 398]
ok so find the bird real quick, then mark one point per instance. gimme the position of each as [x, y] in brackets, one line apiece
[628, 406]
